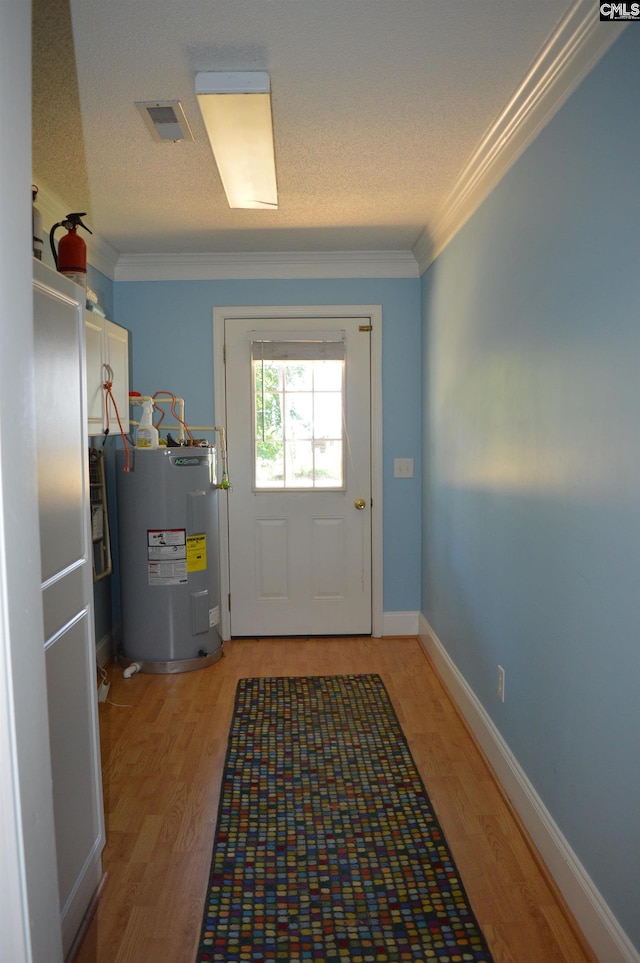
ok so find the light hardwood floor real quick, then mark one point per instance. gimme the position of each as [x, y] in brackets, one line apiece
[163, 751]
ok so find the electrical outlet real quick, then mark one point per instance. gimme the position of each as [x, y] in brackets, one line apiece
[501, 683]
[103, 690]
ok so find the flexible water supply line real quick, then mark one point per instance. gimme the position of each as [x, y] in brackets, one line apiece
[224, 481]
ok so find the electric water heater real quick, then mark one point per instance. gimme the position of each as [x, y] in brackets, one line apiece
[169, 565]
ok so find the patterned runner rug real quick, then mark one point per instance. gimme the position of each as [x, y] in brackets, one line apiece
[327, 848]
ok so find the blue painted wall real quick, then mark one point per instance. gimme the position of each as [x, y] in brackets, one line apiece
[531, 505]
[171, 325]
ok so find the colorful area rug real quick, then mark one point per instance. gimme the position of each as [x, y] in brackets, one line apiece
[327, 847]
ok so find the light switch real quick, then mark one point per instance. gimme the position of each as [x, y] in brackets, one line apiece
[403, 467]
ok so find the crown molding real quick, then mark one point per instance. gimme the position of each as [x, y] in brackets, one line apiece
[266, 265]
[579, 41]
[227, 266]
[100, 254]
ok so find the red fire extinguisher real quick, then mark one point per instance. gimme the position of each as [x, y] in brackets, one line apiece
[71, 257]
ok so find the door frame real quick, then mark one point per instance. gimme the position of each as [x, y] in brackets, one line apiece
[374, 313]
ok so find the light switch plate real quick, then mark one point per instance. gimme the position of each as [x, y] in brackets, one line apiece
[403, 467]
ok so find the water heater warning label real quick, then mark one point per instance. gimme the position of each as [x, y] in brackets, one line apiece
[167, 556]
[196, 553]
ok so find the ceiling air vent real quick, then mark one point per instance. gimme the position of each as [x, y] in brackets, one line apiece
[166, 120]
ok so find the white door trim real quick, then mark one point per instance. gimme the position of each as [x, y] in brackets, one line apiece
[373, 311]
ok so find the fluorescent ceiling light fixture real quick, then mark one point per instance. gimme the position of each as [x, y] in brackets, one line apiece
[236, 109]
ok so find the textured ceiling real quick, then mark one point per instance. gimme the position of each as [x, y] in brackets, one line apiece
[377, 105]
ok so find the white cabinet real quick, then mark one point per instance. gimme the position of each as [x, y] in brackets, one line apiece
[67, 591]
[107, 344]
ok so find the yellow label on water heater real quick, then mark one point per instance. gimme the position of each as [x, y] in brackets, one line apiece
[196, 553]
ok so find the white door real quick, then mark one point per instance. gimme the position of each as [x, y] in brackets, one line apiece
[298, 407]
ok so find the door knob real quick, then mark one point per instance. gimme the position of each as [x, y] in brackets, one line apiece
[360, 504]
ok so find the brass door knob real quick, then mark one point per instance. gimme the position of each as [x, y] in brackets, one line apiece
[360, 504]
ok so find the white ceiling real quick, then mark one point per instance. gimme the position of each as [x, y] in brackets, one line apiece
[377, 107]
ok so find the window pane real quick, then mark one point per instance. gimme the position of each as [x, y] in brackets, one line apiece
[272, 375]
[298, 375]
[299, 415]
[328, 464]
[269, 420]
[270, 464]
[327, 376]
[328, 415]
[299, 464]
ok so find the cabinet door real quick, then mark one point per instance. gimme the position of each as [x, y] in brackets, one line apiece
[106, 344]
[94, 334]
[117, 353]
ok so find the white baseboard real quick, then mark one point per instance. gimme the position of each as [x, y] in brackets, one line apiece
[399, 623]
[601, 929]
[104, 650]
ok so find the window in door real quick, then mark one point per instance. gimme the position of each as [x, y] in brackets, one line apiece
[298, 399]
